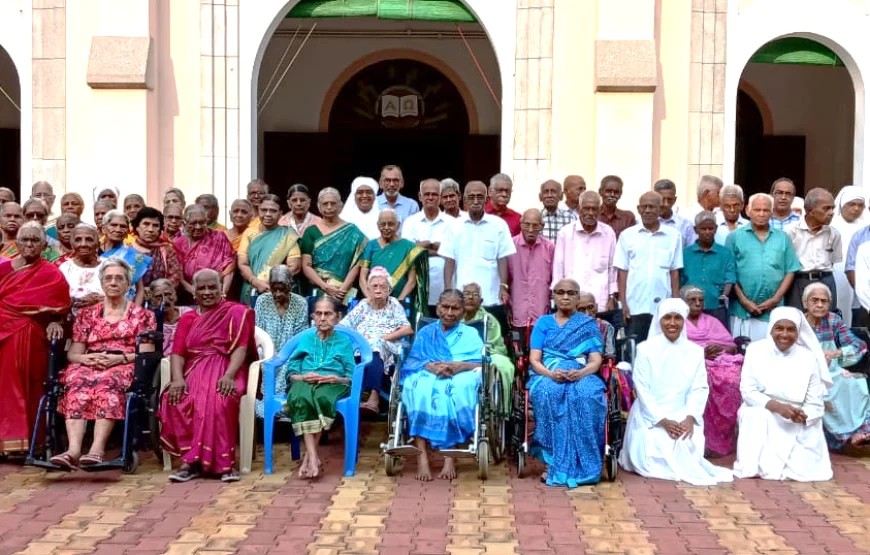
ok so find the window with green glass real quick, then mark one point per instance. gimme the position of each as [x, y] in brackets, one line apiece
[452, 11]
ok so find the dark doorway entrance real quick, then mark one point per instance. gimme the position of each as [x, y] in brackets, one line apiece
[401, 112]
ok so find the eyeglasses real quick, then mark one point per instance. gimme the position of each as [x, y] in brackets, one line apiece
[533, 227]
[471, 295]
[587, 308]
[563, 292]
[783, 194]
[471, 198]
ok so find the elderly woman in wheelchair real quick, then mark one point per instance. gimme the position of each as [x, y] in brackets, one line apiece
[440, 384]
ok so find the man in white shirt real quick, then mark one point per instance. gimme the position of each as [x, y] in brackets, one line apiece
[731, 204]
[708, 197]
[428, 229]
[476, 250]
[668, 191]
[818, 245]
[648, 259]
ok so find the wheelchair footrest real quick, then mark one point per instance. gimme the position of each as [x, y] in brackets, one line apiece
[47, 465]
[114, 464]
[403, 451]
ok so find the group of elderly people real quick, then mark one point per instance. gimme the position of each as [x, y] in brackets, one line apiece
[791, 392]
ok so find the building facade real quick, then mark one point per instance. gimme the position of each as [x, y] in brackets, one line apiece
[205, 95]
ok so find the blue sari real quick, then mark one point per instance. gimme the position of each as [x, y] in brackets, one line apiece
[569, 416]
[441, 410]
[138, 261]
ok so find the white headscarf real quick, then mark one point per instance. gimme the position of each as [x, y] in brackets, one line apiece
[670, 306]
[846, 195]
[806, 337]
[367, 222]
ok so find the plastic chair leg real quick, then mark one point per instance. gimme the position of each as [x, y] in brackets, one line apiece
[295, 449]
[246, 433]
[268, 431]
[351, 442]
[167, 462]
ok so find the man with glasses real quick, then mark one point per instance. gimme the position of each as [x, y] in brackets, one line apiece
[530, 271]
[391, 182]
[476, 250]
[783, 193]
[648, 260]
[500, 190]
[427, 229]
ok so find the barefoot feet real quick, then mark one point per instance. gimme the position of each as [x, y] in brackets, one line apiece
[448, 471]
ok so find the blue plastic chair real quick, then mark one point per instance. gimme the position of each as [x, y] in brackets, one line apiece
[348, 407]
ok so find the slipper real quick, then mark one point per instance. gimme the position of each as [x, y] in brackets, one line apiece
[91, 459]
[369, 408]
[65, 460]
[183, 475]
[231, 476]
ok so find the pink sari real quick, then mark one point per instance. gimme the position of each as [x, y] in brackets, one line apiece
[213, 251]
[204, 426]
[723, 376]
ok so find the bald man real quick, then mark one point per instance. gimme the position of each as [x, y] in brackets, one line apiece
[648, 259]
[427, 229]
[573, 186]
[530, 271]
[554, 218]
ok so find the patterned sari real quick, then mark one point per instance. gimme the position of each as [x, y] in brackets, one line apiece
[334, 255]
[9, 250]
[723, 376]
[138, 261]
[164, 265]
[569, 431]
[265, 249]
[441, 410]
[212, 251]
[398, 258]
[30, 298]
[204, 426]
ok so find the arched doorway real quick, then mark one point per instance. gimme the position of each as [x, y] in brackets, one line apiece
[322, 123]
[10, 124]
[795, 117]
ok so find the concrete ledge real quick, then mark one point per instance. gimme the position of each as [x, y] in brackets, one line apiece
[625, 66]
[119, 63]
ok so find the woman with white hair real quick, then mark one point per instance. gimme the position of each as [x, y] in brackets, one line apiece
[102, 359]
[847, 415]
[665, 433]
[784, 382]
[362, 207]
[849, 216]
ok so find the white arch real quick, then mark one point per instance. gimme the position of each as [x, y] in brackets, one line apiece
[837, 24]
[18, 45]
[259, 19]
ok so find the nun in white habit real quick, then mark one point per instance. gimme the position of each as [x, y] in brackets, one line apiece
[849, 216]
[665, 431]
[361, 208]
[784, 382]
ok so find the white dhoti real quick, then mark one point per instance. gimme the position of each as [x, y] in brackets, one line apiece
[753, 328]
[773, 448]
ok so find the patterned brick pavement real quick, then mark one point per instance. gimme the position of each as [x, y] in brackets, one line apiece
[66, 514]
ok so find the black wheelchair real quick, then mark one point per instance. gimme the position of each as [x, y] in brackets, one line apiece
[141, 430]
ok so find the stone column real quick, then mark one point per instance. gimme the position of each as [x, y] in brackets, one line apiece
[534, 92]
[219, 105]
[49, 94]
[707, 89]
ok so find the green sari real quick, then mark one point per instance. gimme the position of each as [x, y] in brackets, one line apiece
[398, 258]
[333, 255]
[264, 250]
[500, 358]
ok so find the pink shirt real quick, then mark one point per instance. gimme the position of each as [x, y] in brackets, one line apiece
[530, 270]
[587, 258]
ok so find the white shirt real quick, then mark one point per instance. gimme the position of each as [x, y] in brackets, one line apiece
[417, 227]
[477, 248]
[587, 258]
[722, 230]
[862, 275]
[648, 258]
[817, 251]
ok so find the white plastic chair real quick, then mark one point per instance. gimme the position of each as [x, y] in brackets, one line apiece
[246, 410]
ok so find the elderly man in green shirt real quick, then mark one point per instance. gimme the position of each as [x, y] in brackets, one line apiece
[766, 265]
[709, 266]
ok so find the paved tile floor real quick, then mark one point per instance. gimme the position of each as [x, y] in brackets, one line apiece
[66, 514]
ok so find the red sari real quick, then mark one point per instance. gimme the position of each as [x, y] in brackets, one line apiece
[204, 426]
[212, 251]
[30, 298]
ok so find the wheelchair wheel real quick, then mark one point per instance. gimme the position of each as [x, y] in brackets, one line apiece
[483, 460]
[496, 424]
[611, 468]
[131, 464]
[391, 465]
[521, 464]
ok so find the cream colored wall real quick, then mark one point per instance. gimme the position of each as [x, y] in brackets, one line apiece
[817, 102]
[296, 106]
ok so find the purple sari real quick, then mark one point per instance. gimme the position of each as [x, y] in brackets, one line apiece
[204, 426]
[723, 376]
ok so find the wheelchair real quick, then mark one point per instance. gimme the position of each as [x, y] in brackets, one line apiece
[487, 443]
[615, 372]
[141, 430]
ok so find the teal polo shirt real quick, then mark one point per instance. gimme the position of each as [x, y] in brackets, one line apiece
[761, 267]
[710, 270]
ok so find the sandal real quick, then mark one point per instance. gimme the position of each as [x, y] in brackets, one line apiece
[231, 476]
[183, 475]
[91, 459]
[64, 460]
